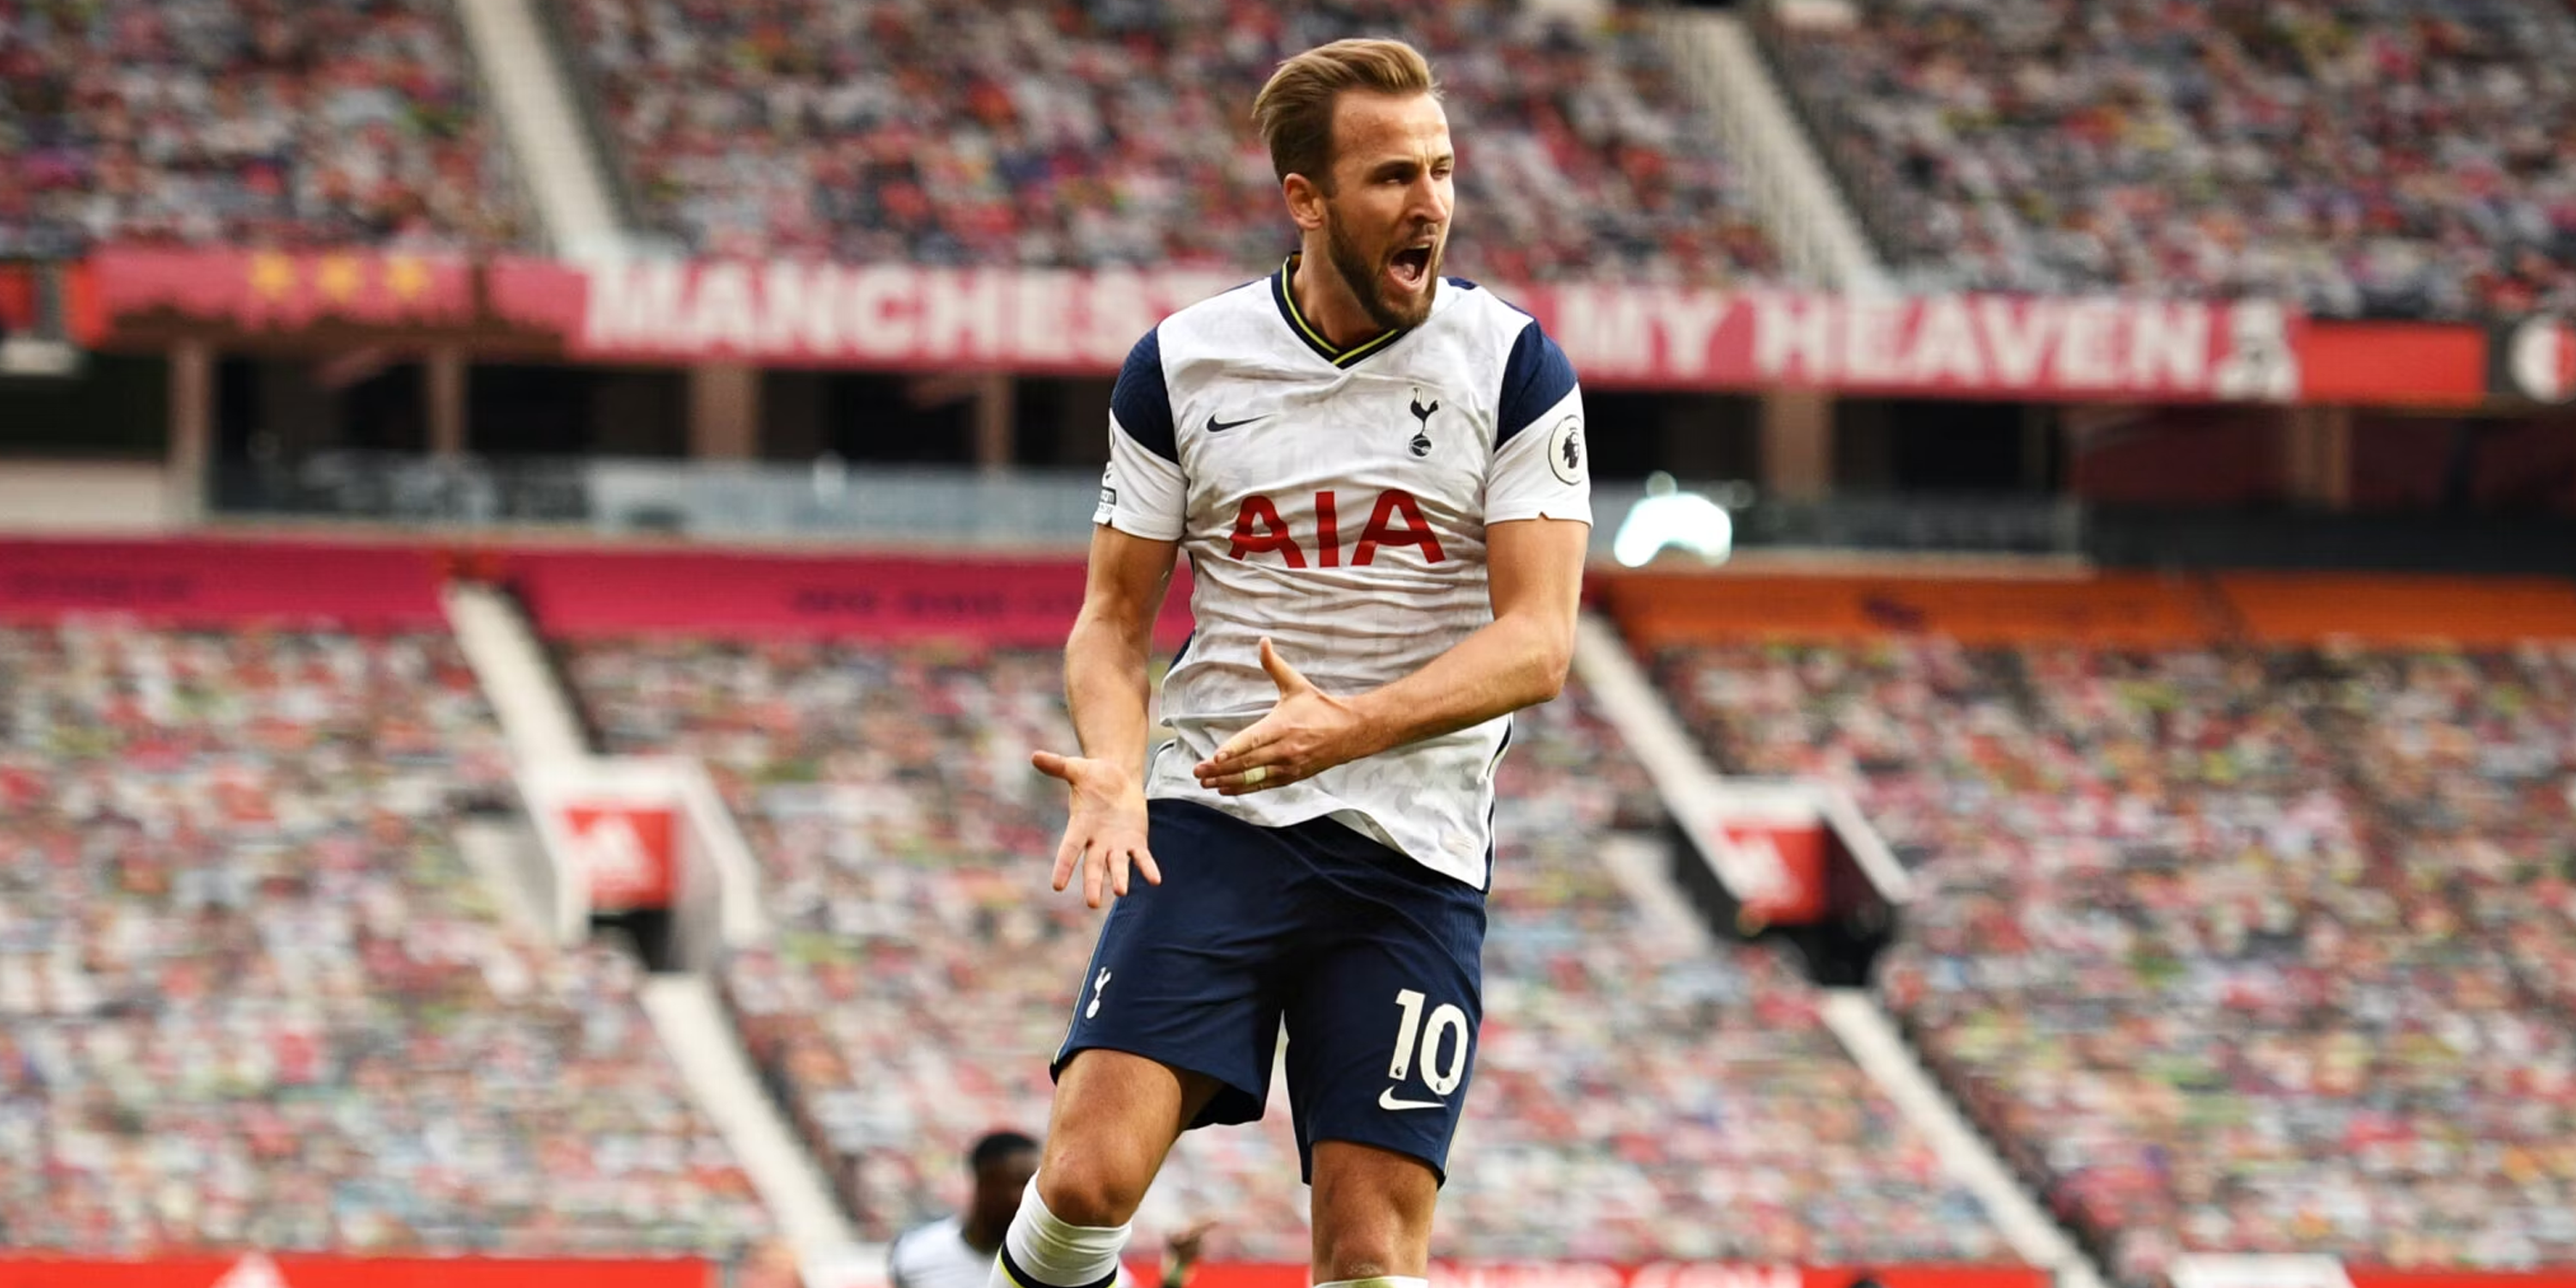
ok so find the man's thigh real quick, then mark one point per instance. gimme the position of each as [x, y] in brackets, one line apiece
[1372, 1212]
[1187, 973]
[1115, 1117]
[1382, 1021]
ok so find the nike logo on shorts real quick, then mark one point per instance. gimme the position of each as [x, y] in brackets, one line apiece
[1386, 1100]
[1215, 426]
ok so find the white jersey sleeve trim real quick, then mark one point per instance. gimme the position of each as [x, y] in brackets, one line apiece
[1544, 472]
[1143, 492]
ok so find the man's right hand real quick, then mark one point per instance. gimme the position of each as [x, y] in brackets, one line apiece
[1106, 833]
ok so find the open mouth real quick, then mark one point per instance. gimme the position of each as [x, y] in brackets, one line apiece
[1410, 266]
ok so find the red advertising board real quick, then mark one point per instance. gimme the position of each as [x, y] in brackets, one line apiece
[1046, 321]
[625, 852]
[257, 1270]
[2397, 608]
[1039, 320]
[1793, 853]
[2394, 364]
[1655, 1274]
[2309, 1270]
[284, 291]
[17, 298]
[1010, 602]
[220, 583]
[2374, 1277]
[2124, 609]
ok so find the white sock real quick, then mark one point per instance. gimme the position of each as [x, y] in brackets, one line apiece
[1042, 1251]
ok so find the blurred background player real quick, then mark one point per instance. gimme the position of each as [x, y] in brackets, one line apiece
[958, 1251]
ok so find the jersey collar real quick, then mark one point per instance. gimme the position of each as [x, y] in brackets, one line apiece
[1287, 301]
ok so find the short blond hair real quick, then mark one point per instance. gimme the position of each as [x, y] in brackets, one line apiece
[1294, 112]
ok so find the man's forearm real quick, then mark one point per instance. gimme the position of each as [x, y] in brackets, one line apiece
[1509, 663]
[1106, 687]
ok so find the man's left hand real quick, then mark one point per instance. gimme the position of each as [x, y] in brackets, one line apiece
[1308, 732]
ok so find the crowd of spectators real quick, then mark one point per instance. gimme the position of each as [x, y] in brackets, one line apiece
[1040, 133]
[2171, 956]
[254, 996]
[2470, 762]
[275, 123]
[2385, 157]
[2389, 157]
[1670, 1097]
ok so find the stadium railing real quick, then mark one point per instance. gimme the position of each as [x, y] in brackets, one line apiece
[964, 507]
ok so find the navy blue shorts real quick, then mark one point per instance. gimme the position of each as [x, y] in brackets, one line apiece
[1374, 962]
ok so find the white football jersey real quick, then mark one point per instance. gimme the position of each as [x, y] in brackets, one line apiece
[1336, 501]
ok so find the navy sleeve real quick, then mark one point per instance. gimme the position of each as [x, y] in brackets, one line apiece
[1535, 378]
[1140, 401]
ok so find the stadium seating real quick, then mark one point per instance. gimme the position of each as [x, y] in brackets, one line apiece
[245, 122]
[2469, 762]
[254, 997]
[2198, 946]
[1119, 134]
[2390, 157]
[922, 974]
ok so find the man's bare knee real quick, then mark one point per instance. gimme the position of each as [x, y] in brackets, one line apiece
[1093, 1187]
[1355, 1256]
[1372, 1212]
[1116, 1115]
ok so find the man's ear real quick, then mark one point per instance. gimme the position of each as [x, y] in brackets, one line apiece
[1305, 201]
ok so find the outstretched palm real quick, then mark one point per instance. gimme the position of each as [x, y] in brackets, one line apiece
[1106, 833]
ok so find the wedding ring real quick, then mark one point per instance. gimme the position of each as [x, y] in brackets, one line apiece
[1257, 773]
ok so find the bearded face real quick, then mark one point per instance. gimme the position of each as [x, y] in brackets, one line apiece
[1387, 216]
[1393, 277]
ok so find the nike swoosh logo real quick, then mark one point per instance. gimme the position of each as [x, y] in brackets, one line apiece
[1386, 1100]
[1215, 426]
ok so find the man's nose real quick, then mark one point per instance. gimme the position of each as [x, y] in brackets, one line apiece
[1425, 200]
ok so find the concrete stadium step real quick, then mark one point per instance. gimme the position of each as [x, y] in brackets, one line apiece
[1800, 205]
[537, 718]
[703, 1042]
[1871, 1035]
[1685, 778]
[540, 724]
[556, 160]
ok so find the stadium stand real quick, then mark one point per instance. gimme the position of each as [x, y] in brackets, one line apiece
[1118, 134]
[2469, 764]
[920, 978]
[2194, 950]
[255, 998]
[2392, 157]
[246, 123]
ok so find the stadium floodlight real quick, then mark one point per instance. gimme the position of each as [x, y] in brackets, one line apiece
[1667, 516]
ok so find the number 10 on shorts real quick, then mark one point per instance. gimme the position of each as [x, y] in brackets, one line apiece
[1440, 1074]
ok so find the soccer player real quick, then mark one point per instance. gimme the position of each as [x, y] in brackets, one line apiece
[957, 1251]
[1378, 476]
